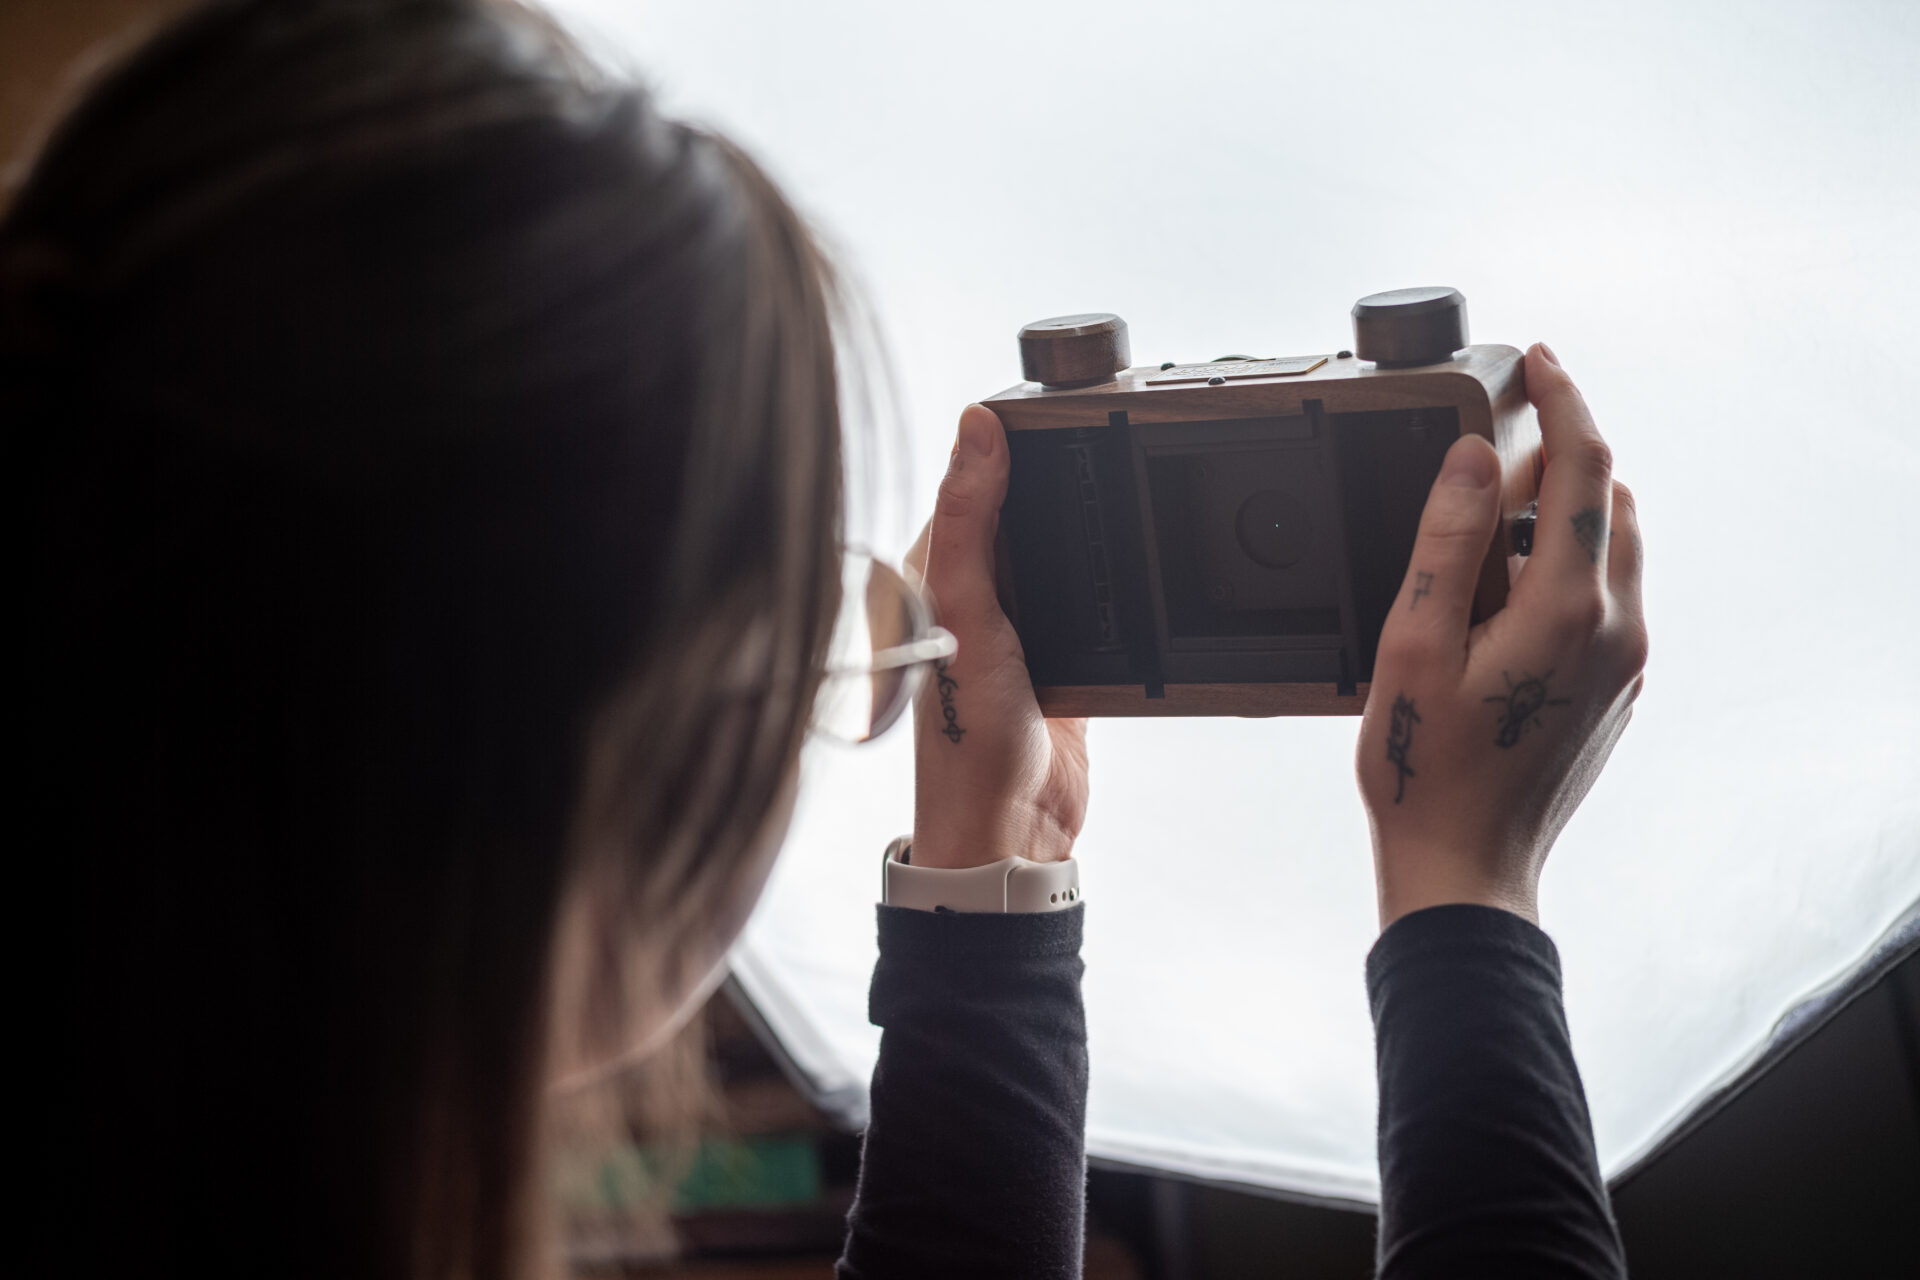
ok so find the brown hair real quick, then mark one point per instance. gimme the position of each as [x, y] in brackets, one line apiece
[432, 488]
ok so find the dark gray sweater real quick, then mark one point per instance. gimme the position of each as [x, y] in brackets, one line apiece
[975, 1156]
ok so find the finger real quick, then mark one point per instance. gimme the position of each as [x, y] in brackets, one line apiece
[966, 515]
[1576, 493]
[1431, 616]
[915, 564]
[1623, 583]
[1623, 554]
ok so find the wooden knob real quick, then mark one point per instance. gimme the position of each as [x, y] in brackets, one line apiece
[1410, 326]
[1075, 351]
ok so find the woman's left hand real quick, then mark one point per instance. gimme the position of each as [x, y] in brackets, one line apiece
[993, 778]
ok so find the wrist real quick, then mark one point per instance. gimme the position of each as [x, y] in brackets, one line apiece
[952, 846]
[949, 854]
[1009, 886]
[1413, 883]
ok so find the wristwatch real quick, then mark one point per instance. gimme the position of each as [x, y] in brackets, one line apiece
[1011, 885]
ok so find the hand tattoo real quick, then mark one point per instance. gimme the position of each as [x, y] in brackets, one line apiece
[1399, 738]
[1523, 703]
[1422, 586]
[948, 712]
[1590, 531]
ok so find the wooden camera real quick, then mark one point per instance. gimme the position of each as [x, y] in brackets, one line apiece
[1226, 538]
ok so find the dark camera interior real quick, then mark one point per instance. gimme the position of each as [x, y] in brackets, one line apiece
[1247, 550]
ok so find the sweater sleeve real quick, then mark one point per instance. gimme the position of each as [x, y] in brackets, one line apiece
[1487, 1164]
[974, 1162]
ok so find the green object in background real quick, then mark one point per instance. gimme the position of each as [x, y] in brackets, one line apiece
[748, 1173]
[752, 1172]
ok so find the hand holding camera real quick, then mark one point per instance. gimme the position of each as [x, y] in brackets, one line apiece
[1492, 697]
[993, 777]
[1479, 742]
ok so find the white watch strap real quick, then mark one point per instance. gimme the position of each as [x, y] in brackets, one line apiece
[1011, 885]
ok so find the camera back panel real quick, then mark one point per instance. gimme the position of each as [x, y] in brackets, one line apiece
[1257, 550]
[1231, 544]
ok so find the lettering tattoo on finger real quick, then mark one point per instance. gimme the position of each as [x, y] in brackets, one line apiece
[1399, 738]
[1521, 705]
[947, 687]
[1422, 586]
[1590, 531]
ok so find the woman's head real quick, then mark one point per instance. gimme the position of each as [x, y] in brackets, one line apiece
[433, 469]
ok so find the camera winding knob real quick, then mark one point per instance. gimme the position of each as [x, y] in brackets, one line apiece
[1410, 326]
[1075, 351]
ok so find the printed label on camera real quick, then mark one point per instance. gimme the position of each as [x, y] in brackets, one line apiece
[1234, 370]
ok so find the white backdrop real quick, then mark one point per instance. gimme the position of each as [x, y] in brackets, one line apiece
[1709, 210]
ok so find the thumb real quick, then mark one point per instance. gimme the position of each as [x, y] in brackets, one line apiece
[1432, 614]
[966, 516]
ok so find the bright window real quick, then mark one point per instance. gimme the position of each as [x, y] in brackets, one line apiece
[1709, 210]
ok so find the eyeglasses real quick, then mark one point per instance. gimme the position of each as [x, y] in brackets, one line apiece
[884, 639]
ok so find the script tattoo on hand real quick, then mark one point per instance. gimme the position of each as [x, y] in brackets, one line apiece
[1422, 586]
[948, 712]
[1590, 531]
[1523, 701]
[1399, 738]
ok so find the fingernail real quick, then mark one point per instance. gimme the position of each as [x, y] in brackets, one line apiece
[1470, 466]
[976, 434]
[1552, 359]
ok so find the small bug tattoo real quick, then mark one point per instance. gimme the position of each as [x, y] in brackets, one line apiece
[1524, 700]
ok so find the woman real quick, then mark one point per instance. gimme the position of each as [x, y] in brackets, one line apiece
[433, 468]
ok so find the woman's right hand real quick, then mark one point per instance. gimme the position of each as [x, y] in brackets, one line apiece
[1479, 742]
[993, 778]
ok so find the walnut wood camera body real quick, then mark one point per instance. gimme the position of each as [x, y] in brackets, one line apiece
[1116, 540]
